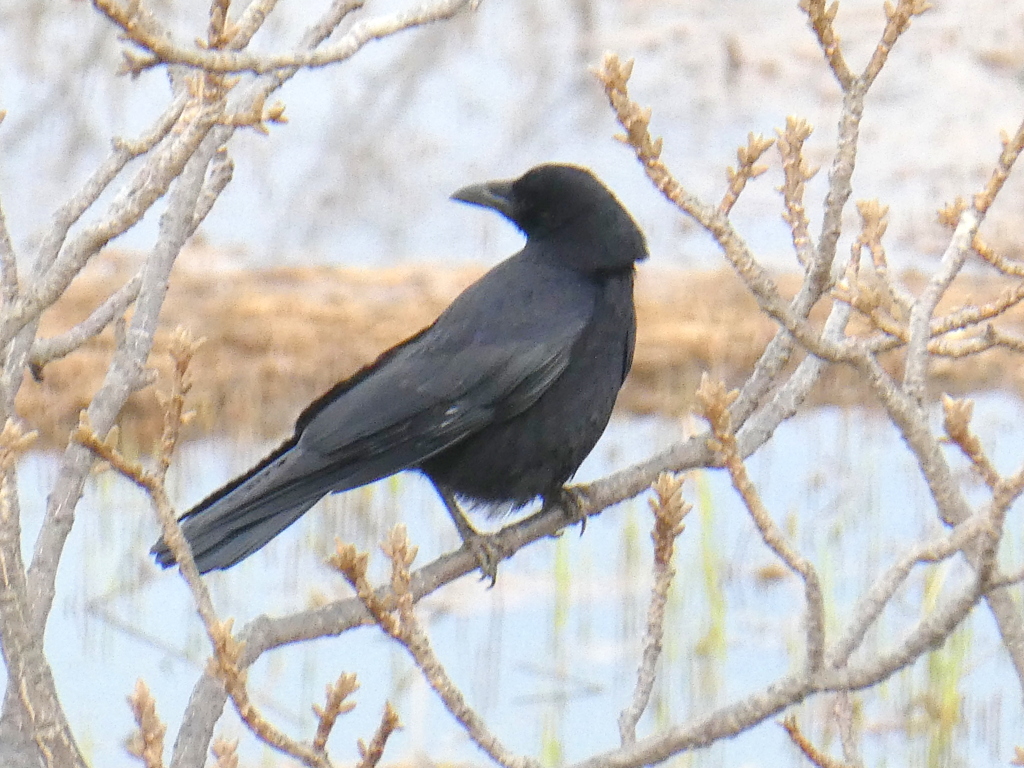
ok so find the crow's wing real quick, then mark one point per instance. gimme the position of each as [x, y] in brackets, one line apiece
[488, 357]
[419, 406]
[425, 401]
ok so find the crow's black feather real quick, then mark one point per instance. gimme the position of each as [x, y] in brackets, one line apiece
[498, 401]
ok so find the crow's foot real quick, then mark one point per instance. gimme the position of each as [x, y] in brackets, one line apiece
[573, 501]
[481, 545]
[487, 553]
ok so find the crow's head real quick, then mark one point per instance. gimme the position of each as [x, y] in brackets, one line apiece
[567, 209]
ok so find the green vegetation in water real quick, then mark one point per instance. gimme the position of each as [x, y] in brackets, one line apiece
[712, 644]
[942, 701]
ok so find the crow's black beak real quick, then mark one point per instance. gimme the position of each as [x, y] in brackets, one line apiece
[492, 194]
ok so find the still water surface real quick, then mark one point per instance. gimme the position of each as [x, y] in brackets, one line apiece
[549, 655]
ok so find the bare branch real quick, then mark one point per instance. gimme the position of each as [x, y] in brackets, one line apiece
[41, 717]
[223, 665]
[614, 75]
[149, 184]
[8, 264]
[790, 143]
[1012, 147]
[370, 754]
[756, 708]
[921, 313]
[746, 169]
[911, 420]
[713, 402]
[930, 632]
[956, 254]
[957, 424]
[821, 19]
[812, 753]
[870, 605]
[147, 743]
[669, 509]
[337, 704]
[222, 61]
[898, 21]
[1003, 264]
[123, 152]
[397, 618]
[122, 378]
[47, 350]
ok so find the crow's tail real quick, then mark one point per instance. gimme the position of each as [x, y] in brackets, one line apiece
[244, 515]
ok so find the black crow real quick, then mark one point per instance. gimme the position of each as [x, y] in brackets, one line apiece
[498, 402]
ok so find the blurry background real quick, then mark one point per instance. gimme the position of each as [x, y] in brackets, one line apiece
[360, 177]
[362, 172]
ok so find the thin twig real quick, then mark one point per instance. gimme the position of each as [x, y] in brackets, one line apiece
[797, 172]
[8, 265]
[222, 61]
[124, 150]
[821, 19]
[337, 704]
[871, 604]
[226, 649]
[921, 313]
[370, 754]
[147, 742]
[669, 509]
[47, 350]
[898, 19]
[396, 617]
[1012, 147]
[1006, 266]
[747, 168]
[714, 402]
[811, 752]
[957, 423]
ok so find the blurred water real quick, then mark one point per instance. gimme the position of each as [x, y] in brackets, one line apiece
[549, 655]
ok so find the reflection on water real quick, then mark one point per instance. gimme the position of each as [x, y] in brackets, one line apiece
[549, 655]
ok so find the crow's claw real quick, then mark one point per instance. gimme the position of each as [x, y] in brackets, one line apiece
[573, 501]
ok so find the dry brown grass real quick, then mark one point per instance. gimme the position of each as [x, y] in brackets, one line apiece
[277, 338]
